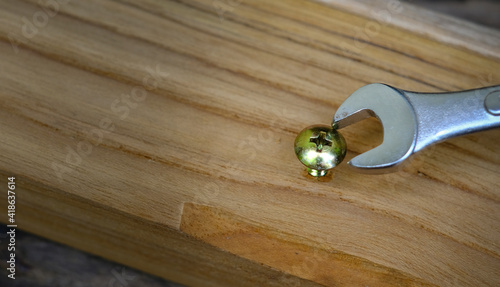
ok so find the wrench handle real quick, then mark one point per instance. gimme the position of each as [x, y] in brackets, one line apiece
[445, 115]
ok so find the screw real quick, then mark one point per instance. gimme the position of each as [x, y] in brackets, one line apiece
[320, 140]
[320, 148]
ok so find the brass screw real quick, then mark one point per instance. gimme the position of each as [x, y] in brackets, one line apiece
[320, 140]
[320, 148]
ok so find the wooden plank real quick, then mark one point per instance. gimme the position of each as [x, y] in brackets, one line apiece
[159, 134]
[443, 28]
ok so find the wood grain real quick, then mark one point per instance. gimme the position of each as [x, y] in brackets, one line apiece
[298, 256]
[445, 29]
[147, 132]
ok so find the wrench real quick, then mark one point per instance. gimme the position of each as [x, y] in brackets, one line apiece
[413, 121]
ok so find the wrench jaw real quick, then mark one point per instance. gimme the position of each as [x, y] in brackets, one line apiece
[398, 119]
[380, 160]
[347, 118]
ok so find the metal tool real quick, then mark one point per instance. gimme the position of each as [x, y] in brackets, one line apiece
[413, 121]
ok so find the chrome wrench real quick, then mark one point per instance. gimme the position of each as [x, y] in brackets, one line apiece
[413, 121]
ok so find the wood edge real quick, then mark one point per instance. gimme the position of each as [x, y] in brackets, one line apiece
[289, 253]
[435, 25]
[151, 247]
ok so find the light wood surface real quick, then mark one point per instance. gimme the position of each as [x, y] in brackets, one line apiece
[159, 134]
[443, 28]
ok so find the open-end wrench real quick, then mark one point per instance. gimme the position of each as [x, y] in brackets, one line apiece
[413, 121]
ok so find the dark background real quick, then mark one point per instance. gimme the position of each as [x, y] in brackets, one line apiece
[484, 12]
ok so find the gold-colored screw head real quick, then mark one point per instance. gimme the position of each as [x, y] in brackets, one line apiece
[320, 148]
